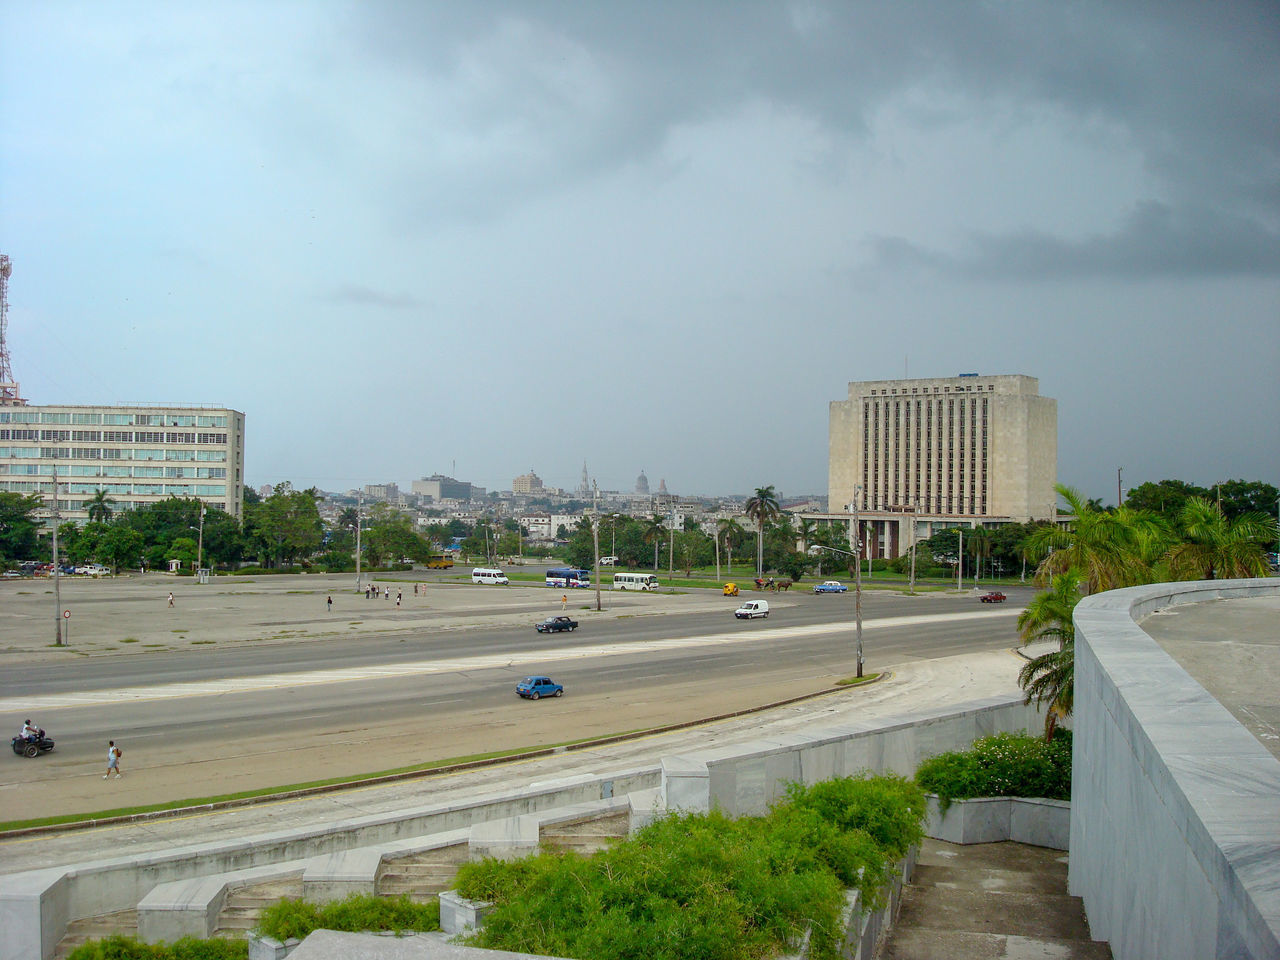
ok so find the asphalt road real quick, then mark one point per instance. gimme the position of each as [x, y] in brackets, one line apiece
[221, 719]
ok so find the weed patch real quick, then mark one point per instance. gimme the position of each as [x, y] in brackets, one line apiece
[129, 640]
[188, 948]
[297, 918]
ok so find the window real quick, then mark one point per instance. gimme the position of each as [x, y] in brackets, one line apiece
[117, 436]
[118, 419]
[179, 438]
[148, 454]
[148, 436]
[87, 418]
[148, 471]
[55, 435]
[217, 455]
[179, 454]
[55, 418]
[208, 438]
[86, 436]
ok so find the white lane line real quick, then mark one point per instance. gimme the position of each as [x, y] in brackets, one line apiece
[169, 691]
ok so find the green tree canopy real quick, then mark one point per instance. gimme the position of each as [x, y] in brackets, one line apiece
[19, 528]
[762, 507]
[286, 525]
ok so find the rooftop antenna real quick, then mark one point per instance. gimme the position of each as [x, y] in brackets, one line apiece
[8, 387]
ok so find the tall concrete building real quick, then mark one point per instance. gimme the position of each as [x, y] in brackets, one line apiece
[967, 449]
[135, 454]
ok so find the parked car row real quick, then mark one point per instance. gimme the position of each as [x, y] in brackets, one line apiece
[30, 568]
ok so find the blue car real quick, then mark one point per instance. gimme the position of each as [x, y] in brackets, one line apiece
[830, 586]
[535, 688]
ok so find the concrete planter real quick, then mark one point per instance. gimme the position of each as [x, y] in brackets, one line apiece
[1039, 822]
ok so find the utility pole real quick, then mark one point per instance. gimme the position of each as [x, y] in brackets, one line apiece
[960, 559]
[595, 535]
[912, 587]
[671, 546]
[359, 524]
[1119, 495]
[57, 568]
[855, 537]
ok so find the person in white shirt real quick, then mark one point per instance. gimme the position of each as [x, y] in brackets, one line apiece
[30, 731]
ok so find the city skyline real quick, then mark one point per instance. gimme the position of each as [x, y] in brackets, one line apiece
[407, 239]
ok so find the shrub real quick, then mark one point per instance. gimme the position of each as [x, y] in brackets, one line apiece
[705, 886]
[188, 948]
[1002, 765]
[297, 918]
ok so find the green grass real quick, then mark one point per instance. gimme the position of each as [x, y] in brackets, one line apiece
[854, 681]
[198, 642]
[129, 640]
[188, 948]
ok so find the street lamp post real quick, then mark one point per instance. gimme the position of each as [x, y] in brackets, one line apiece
[856, 526]
[200, 544]
[57, 568]
[359, 524]
[595, 536]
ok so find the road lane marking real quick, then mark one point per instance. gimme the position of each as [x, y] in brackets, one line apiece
[229, 685]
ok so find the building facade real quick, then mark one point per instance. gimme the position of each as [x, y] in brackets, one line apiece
[439, 487]
[135, 454]
[527, 483]
[917, 456]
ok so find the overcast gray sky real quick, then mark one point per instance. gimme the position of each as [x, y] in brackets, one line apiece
[658, 236]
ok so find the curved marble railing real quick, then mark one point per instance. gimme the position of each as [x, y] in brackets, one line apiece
[1175, 807]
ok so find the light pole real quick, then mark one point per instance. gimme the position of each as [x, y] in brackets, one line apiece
[359, 524]
[912, 587]
[857, 597]
[57, 568]
[595, 535]
[200, 544]
[855, 535]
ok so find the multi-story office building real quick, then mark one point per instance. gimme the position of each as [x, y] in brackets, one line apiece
[527, 483]
[439, 487]
[954, 450]
[135, 454]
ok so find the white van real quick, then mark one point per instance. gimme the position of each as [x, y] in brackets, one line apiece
[486, 575]
[752, 609]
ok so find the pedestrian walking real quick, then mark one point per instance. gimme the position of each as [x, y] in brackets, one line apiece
[415, 589]
[113, 759]
[171, 599]
[386, 595]
[564, 601]
[399, 594]
[329, 602]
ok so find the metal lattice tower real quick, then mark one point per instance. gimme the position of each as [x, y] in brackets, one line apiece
[8, 389]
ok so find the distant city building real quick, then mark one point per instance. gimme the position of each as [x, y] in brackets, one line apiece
[584, 485]
[382, 491]
[642, 485]
[136, 455]
[266, 490]
[662, 487]
[439, 487]
[969, 450]
[527, 483]
[970, 446]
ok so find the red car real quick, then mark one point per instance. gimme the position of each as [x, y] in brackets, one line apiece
[994, 597]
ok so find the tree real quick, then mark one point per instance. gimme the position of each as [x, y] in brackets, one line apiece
[978, 543]
[286, 524]
[693, 547]
[99, 507]
[1108, 549]
[19, 529]
[1238, 497]
[806, 530]
[655, 530]
[1214, 547]
[119, 546]
[1166, 497]
[762, 507]
[1050, 677]
[732, 532]
[183, 549]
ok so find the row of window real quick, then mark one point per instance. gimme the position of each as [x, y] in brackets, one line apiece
[111, 436]
[123, 489]
[113, 419]
[121, 506]
[107, 453]
[77, 470]
[989, 387]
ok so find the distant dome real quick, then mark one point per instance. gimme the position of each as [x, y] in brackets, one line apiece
[642, 484]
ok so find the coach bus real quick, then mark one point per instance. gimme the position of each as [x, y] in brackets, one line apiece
[568, 577]
[635, 581]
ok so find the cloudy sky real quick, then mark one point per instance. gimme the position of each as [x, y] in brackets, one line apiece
[479, 238]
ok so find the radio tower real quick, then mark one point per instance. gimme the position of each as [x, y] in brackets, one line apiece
[8, 388]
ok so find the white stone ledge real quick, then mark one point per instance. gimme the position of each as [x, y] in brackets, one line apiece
[1035, 821]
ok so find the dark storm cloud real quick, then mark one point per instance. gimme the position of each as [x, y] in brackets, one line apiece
[1156, 241]
[1194, 87]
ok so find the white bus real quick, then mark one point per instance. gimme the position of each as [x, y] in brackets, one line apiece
[635, 581]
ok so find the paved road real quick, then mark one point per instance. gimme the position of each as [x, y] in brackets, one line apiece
[235, 715]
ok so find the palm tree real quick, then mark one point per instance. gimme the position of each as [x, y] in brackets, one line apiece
[654, 529]
[762, 507]
[1050, 677]
[99, 507]
[1214, 547]
[979, 544]
[1108, 548]
[806, 530]
[730, 529]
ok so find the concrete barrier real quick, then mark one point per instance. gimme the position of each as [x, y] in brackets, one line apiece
[1035, 821]
[1175, 807]
[190, 908]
